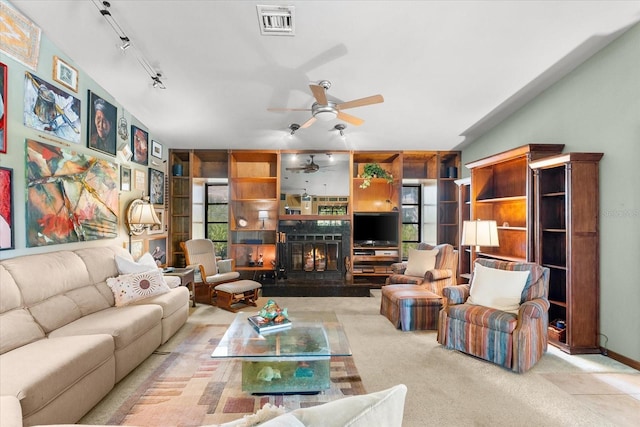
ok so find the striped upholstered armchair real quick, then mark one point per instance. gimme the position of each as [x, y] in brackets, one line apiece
[515, 338]
[434, 280]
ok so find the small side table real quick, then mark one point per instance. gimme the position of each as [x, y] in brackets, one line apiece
[187, 278]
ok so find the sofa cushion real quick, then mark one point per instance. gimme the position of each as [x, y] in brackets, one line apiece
[100, 261]
[485, 317]
[170, 301]
[129, 266]
[39, 372]
[55, 312]
[128, 288]
[88, 299]
[124, 324]
[496, 288]
[420, 261]
[18, 328]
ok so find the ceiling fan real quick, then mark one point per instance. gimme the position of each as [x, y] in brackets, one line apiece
[325, 110]
[309, 167]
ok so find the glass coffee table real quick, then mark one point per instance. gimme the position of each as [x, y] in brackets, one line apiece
[292, 360]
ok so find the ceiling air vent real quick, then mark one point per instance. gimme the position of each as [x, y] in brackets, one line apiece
[276, 20]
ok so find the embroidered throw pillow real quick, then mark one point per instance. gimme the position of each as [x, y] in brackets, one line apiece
[421, 261]
[128, 288]
[495, 288]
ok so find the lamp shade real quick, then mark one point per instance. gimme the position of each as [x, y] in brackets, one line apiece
[263, 214]
[480, 233]
[139, 215]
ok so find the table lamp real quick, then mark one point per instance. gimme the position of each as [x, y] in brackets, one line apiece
[480, 233]
[263, 215]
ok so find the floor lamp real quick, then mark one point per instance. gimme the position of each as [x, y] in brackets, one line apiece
[140, 215]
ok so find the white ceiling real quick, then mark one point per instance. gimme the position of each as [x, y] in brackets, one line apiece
[445, 68]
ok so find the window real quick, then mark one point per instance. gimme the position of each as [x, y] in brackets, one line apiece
[216, 214]
[411, 218]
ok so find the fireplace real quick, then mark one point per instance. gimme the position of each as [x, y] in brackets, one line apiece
[315, 249]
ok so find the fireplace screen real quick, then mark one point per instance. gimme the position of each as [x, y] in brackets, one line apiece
[314, 256]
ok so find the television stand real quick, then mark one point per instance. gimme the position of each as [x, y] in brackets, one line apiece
[374, 261]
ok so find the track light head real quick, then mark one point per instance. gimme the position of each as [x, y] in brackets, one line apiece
[293, 127]
[157, 83]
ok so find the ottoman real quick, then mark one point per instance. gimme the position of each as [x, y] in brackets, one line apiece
[410, 307]
[240, 291]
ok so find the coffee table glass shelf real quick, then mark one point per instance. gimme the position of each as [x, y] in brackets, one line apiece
[291, 360]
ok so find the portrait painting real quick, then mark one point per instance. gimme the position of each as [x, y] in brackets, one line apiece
[158, 250]
[3, 108]
[102, 124]
[71, 196]
[156, 187]
[51, 110]
[140, 145]
[6, 208]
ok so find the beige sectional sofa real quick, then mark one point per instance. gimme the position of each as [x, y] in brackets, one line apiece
[63, 342]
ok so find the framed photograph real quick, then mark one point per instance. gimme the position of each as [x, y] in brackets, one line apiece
[65, 74]
[6, 208]
[137, 249]
[158, 249]
[102, 120]
[156, 187]
[125, 178]
[156, 149]
[51, 110]
[3, 110]
[139, 180]
[140, 145]
[157, 228]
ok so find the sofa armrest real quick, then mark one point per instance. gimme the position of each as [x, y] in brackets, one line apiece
[457, 294]
[534, 309]
[399, 267]
[10, 412]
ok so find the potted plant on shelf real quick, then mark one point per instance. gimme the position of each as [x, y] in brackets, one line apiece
[374, 170]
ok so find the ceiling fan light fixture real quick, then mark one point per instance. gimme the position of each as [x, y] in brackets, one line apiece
[340, 128]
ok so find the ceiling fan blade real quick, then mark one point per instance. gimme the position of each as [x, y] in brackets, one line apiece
[308, 123]
[319, 94]
[350, 119]
[374, 99]
[288, 109]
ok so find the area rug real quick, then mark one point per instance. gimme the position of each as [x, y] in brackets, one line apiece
[191, 389]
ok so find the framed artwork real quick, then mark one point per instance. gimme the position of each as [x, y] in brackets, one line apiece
[125, 178]
[102, 120]
[71, 196]
[158, 249]
[156, 149]
[139, 180]
[25, 37]
[6, 208]
[51, 110]
[140, 145]
[156, 187]
[65, 74]
[157, 228]
[3, 108]
[137, 249]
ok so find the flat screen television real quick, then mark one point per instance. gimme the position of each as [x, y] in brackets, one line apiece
[375, 228]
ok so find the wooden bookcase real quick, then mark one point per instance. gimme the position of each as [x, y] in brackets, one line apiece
[449, 167]
[179, 223]
[254, 186]
[502, 190]
[464, 214]
[567, 242]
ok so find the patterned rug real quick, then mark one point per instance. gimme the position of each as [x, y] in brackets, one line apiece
[191, 389]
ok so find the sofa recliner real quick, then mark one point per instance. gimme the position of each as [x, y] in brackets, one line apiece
[63, 343]
[513, 341]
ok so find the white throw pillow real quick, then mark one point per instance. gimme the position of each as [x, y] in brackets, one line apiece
[421, 261]
[127, 266]
[495, 288]
[128, 288]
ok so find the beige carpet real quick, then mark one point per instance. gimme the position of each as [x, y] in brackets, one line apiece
[444, 387]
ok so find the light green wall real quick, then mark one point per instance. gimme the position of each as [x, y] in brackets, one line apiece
[17, 134]
[596, 108]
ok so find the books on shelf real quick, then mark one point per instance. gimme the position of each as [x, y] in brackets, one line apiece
[261, 324]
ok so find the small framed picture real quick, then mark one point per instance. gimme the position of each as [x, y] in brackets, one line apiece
[65, 74]
[157, 228]
[156, 187]
[156, 149]
[6, 208]
[140, 145]
[125, 178]
[158, 249]
[139, 180]
[102, 125]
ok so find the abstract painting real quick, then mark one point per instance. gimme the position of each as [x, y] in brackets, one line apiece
[6, 208]
[71, 197]
[156, 187]
[19, 37]
[51, 110]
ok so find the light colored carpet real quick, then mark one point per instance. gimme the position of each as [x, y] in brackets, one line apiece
[444, 387]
